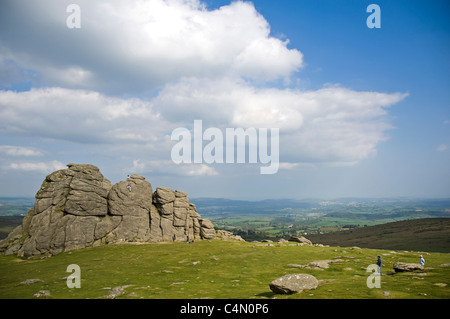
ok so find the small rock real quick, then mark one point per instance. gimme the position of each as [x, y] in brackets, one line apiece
[295, 266]
[116, 292]
[316, 264]
[323, 264]
[30, 281]
[42, 294]
[177, 283]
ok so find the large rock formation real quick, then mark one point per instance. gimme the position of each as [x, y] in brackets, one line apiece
[78, 207]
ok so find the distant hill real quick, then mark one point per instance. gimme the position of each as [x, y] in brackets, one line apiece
[8, 223]
[425, 234]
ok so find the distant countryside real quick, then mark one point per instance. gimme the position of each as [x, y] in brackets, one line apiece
[335, 222]
[343, 222]
[255, 220]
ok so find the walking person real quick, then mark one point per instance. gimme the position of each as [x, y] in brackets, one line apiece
[379, 264]
[421, 260]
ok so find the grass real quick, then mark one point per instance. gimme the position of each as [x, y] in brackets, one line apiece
[218, 270]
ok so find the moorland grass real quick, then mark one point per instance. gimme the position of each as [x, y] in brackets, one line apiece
[221, 270]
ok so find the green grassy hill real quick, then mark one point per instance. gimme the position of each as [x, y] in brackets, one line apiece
[426, 234]
[221, 270]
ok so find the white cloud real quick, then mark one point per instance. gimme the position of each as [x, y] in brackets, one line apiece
[200, 170]
[192, 64]
[44, 167]
[291, 166]
[327, 125]
[78, 116]
[168, 167]
[442, 148]
[11, 150]
[70, 76]
[137, 46]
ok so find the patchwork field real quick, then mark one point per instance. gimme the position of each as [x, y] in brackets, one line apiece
[428, 234]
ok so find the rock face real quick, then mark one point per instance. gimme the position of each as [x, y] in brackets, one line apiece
[78, 207]
[293, 283]
[178, 218]
[400, 267]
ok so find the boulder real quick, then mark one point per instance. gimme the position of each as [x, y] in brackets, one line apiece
[179, 193]
[131, 197]
[293, 283]
[67, 207]
[207, 230]
[87, 192]
[164, 195]
[196, 228]
[402, 267]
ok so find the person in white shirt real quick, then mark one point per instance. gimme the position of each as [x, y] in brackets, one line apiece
[422, 261]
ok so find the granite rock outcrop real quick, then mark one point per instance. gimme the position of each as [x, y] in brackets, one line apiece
[78, 207]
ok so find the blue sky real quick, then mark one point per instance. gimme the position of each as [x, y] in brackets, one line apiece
[362, 112]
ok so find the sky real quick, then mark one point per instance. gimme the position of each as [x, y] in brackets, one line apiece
[360, 111]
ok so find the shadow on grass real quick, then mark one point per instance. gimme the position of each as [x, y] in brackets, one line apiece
[267, 294]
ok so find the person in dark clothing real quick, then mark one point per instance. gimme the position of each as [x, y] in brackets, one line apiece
[379, 264]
